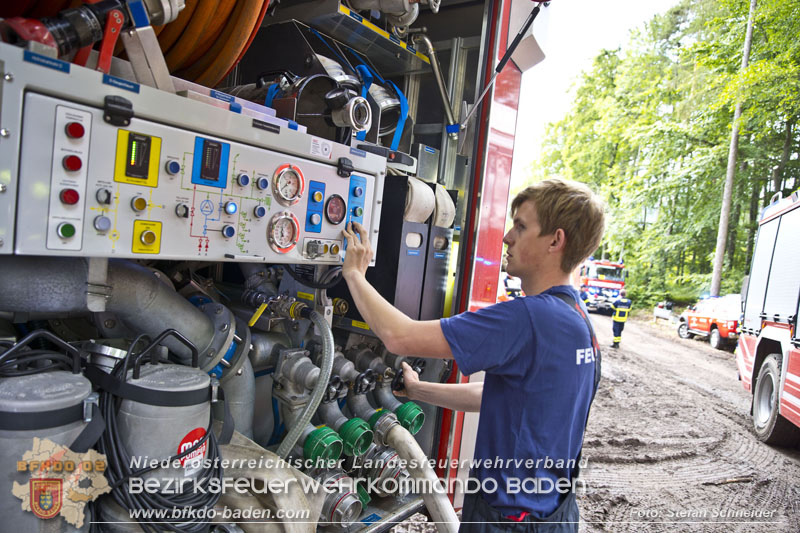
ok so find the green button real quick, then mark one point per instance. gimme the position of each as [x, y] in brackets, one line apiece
[66, 230]
[358, 211]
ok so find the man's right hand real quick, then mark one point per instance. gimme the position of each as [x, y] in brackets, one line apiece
[359, 250]
[410, 381]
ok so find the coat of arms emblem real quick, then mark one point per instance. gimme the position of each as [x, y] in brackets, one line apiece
[46, 497]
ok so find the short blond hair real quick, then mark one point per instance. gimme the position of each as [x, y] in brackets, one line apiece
[571, 206]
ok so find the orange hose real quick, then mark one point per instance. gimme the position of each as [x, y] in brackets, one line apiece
[183, 47]
[212, 31]
[173, 30]
[252, 36]
[212, 68]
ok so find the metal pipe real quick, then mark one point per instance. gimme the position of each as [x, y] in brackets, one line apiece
[360, 407]
[386, 399]
[240, 395]
[138, 298]
[332, 415]
[326, 364]
[264, 349]
[437, 74]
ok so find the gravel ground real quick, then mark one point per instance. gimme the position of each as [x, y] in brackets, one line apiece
[669, 444]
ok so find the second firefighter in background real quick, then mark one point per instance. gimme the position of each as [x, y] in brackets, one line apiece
[622, 307]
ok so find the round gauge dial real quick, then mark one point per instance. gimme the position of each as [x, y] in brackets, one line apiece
[335, 209]
[288, 184]
[283, 232]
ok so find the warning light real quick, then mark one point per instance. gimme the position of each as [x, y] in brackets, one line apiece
[72, 163]
[74, 130]
[69, 196]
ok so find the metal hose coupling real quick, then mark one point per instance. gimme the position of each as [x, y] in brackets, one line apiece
[289, 307]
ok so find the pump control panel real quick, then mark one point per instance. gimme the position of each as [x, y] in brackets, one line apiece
[149, 189]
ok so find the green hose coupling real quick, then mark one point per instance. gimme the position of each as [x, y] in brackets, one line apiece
[411, 417]
[379, 413]
[363, 495]
[323, 443]
[357, 436]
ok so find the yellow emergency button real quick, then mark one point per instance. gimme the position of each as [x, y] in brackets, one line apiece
[139, 204]
[146, 237]
[335, 249]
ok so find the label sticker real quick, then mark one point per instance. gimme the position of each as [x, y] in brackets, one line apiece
[321, 147]
[371, 519]
[359, 324]
[266, 126]
[219, 95]
[120, 83]
[357, 152]
[49, 62]
[413, 252]
[305, 296]
[193, 462]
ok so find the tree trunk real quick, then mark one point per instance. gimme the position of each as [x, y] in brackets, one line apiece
[722, 233]
[779, 170]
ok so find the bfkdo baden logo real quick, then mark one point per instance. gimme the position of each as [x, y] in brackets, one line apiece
[54, 483]
[46, 497]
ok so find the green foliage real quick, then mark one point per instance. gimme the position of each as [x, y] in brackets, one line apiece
[650, 130]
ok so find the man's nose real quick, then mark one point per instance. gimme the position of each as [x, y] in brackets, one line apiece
[507, 238]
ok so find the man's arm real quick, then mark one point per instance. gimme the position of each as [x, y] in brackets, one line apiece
[400, 334]
[458, 397]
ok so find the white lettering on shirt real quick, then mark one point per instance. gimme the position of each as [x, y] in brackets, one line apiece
[586, 355]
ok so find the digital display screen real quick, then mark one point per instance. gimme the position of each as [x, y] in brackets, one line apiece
[212, 153]
[137, 164]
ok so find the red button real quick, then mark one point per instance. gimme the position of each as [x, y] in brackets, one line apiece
[69, 196]
[75, 130]
[72, 163]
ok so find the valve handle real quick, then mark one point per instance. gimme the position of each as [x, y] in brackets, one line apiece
[335, 385]
[365, 382]
[417, 365]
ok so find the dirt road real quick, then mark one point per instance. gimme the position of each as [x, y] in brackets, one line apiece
[669, 445]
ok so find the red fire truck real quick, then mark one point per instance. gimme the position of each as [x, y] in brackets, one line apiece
[602, 280]
[768, 355]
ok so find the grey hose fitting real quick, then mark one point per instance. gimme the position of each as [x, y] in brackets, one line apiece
[324, 375]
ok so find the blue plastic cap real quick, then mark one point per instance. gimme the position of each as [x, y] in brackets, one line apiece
[452, 128]
[236, 107]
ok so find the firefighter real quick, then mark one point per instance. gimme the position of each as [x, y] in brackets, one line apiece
[584, 295]
[622, 308]
[539, 355]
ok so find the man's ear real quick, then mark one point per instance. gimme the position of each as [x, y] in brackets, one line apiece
[558, 241]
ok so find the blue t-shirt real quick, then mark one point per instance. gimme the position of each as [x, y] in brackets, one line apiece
[539, 363]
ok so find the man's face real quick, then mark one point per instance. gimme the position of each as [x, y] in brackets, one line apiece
[526, 248]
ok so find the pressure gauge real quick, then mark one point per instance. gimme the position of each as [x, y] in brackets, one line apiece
[288, 185]
[335, 209]
[283, 232]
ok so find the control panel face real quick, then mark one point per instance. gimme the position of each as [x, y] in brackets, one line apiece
[151, 190]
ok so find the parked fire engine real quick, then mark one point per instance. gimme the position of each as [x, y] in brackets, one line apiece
[602, 281]
[768, 354]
